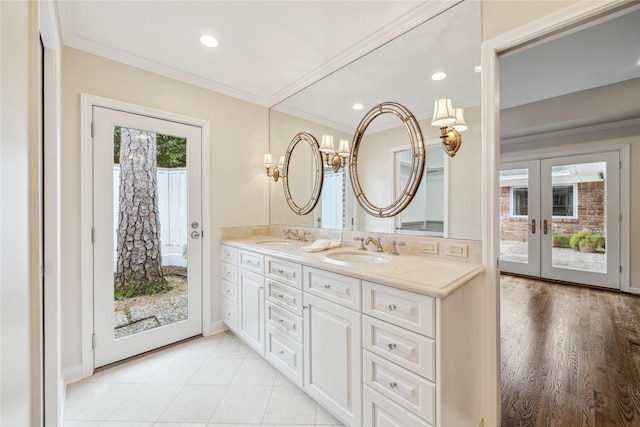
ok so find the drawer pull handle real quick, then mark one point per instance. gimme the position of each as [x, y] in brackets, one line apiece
[280, 271]
[393, 385]
[281, 352]
[391, 307]
[281, 321]
[304, 307]
[391, 346]
[280, 296]
[327, 286]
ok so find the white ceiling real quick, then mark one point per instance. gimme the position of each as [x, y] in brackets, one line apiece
[268, 49]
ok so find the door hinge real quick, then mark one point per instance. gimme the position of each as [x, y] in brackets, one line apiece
[93, 235]
[93, 129]
[620, 269]
[93, 341]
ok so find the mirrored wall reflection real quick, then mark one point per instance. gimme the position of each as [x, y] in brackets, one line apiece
[400, 71]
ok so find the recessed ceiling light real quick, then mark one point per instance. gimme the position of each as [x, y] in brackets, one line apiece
[357, 106]
[438, 76]
[209, 41]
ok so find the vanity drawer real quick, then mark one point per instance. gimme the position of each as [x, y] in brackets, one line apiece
[251, 261]
[378, 411]
[229, 272]
[334, 287]
[285, 354]
[408, 349]
[229, 254]
[284, 271]
[283, 320]
[284, 296]
[230, 313]
[230, 290]
[403, 387]
[403, 308]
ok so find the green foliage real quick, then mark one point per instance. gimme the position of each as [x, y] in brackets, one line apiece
[171, 150]
[562, 241]
[588, 238]
[578, 237]
[150, 288]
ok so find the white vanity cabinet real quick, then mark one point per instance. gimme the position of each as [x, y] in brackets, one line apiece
[251, 299]
[421, 357]
[372, 354]
[332, 357]
[229, 275]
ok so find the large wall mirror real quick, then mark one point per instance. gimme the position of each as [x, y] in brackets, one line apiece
[448, 202]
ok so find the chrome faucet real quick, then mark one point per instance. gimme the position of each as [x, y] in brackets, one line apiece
[376, 243]
[361, 240]
[295, 234]
[394, 250]
[305, 236]
[287, 233]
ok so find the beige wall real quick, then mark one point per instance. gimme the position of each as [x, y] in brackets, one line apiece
[20, 362]
[500, 16]
[239, 192]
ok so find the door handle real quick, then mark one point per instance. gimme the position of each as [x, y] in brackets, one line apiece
[195, 234]
[533, 226]
[545, 227]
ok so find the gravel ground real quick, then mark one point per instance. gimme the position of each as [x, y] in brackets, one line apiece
[144, 312]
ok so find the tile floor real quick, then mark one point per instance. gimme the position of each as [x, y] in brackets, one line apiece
[207, 382]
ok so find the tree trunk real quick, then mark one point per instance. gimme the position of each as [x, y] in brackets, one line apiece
[139, 250]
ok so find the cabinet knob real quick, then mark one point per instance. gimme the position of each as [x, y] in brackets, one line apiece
[304, 307]
[393, 385]
[391, 346]
[281, 352]
[391, 307]
[280, 271]
[281, 321]
[327, 286]
[280, 296]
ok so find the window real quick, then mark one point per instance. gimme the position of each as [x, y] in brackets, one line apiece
[564, 201]
[519, 201]
[334, 200]
[563, 204]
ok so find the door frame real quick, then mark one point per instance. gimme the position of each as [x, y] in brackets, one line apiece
[490, 117]
[87, 102]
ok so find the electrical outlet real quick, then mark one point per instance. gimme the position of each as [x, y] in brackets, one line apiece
[461, 251]
[431, 248]
[256, 231]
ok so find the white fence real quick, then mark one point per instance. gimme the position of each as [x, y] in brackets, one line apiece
[172, 202]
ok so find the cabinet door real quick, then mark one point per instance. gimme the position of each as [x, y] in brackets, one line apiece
[251, 309]
[332, 368]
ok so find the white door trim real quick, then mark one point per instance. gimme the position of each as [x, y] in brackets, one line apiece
[86, 216]
[490, 107]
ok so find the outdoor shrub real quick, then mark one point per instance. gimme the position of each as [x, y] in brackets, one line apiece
[597, 241]
[574, 242]
[561, 240]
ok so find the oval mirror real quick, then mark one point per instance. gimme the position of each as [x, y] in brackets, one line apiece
[299, 166]
[417, 160]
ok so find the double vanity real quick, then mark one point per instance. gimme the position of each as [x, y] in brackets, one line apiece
[376, 339]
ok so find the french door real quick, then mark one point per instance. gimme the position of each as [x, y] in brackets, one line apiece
[560, 218]
[147, 233]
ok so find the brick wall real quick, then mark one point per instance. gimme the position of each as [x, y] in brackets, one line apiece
[591, 214]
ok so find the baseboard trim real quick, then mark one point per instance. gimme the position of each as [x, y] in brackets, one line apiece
[216, 327]
[71, 374]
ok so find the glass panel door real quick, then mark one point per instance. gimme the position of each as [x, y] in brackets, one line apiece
[580, 211]
[519, 218]
[147, 284]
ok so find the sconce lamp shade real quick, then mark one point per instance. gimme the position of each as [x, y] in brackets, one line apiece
[344, 149]
[443, 112]
[460, 125]
[268, 160]
[281, 163]
[327, 144]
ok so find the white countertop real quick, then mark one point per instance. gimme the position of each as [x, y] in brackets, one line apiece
[414, 273]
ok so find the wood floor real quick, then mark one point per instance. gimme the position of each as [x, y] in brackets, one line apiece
[570, 355]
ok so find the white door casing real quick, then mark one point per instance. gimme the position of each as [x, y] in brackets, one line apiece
[87, 213]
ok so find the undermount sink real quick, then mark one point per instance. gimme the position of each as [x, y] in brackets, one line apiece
[357, 257]
[278, 242]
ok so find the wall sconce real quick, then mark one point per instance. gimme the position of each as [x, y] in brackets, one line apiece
[268, 164]
[451, 122]
[335, 159]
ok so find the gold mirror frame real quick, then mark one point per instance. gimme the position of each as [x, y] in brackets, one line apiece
[318, 178]
[417, 160]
